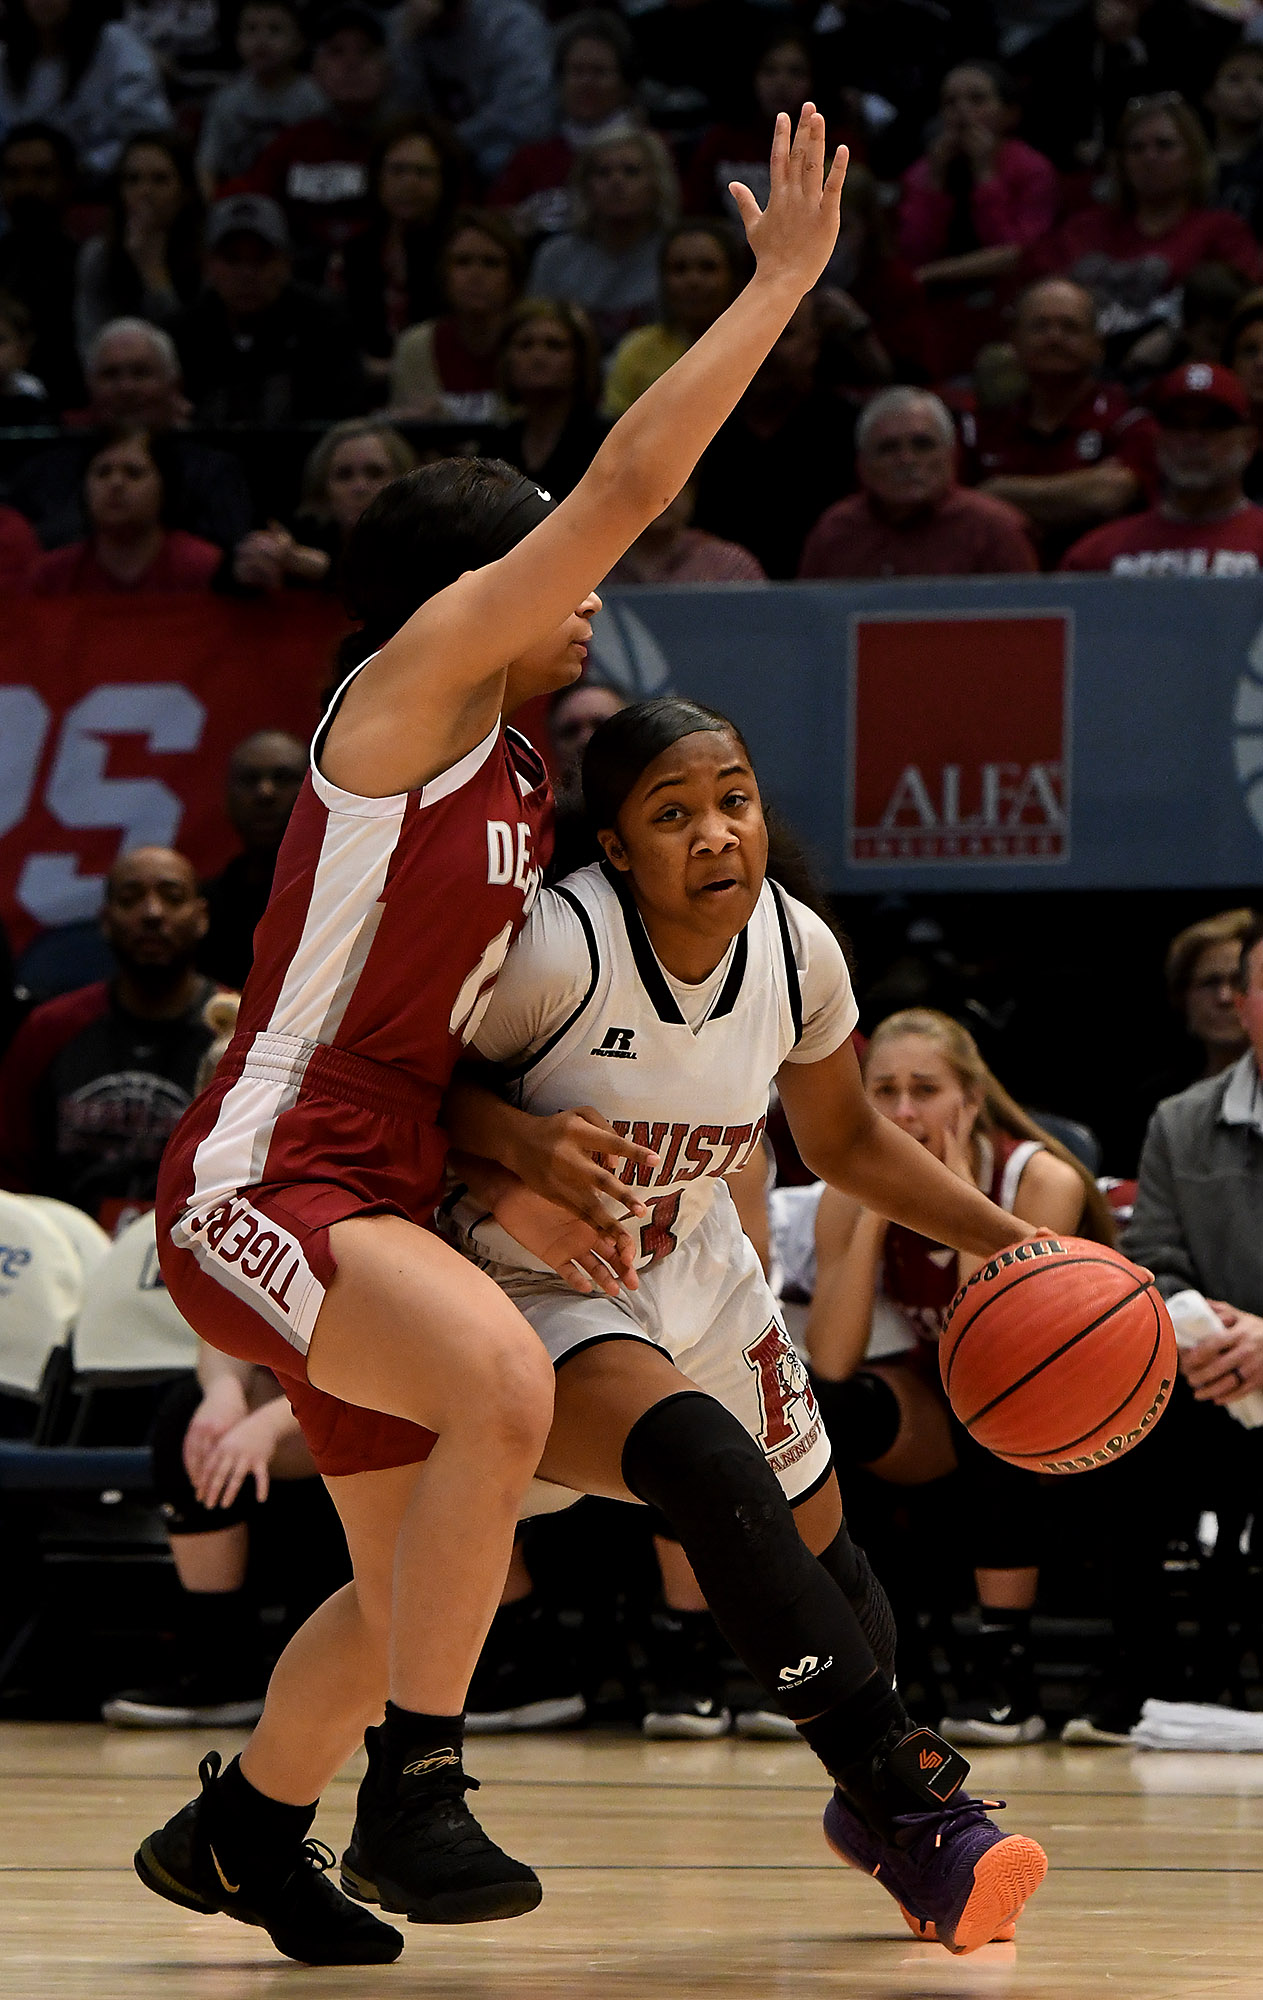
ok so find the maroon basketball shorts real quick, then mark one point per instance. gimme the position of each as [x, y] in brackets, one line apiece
[290, 1138]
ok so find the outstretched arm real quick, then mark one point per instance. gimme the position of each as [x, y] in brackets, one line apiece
[436, 688]
[855, 1149]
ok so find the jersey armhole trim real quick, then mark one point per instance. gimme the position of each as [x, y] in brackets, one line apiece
[792, 982]
[358, 805]
[518, 1070]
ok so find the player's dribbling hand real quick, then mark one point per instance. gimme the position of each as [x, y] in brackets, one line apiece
[588, 1259]
[793, 237]
[569, 1159]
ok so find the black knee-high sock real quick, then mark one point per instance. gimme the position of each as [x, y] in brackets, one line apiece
[851, 1570]
[779, 1607]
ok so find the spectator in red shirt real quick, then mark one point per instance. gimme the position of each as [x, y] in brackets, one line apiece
[1203, 525]
[782, 80]
[124, 495]
[595, 64]
[1134, 252]
[446, 366]
[912, 518]
[319, 170]
[1072, 451]
[976, 199]
[669, 550]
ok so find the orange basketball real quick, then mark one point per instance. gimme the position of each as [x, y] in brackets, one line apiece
[1058, 1355]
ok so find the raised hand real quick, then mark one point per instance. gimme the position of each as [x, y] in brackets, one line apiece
[793, 237]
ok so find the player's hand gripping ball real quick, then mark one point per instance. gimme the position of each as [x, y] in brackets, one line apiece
[1058, 1355]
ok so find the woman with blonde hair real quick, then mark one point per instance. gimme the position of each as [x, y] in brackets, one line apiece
[624, 198]
[1134, 251]
[924, 1072]
[347, 469]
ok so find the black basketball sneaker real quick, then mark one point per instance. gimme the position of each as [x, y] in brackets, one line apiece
[294, 1902]
[417, 1850]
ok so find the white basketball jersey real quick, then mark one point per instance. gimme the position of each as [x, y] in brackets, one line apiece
[697, 1095]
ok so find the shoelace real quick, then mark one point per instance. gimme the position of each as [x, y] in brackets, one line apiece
[319, 1858]
[951, 1817]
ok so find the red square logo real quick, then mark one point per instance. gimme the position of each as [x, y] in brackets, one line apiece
[960, 738]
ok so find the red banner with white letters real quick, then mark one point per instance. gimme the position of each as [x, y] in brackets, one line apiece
[117, 719]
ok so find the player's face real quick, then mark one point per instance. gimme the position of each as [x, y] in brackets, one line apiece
[692, 838]
[910, 1081]
[556, 660]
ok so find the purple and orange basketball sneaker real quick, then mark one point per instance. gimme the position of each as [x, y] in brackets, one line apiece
[957, 1879]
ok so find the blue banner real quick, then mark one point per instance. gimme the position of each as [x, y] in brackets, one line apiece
[967, 733]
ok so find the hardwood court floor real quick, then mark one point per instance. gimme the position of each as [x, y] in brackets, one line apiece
[671, 1872]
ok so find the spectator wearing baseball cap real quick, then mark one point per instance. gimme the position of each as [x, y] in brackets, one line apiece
[257, 347]
[1202, 525]
[318, 170]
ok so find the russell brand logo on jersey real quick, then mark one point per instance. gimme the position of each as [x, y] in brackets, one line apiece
[960, 739]
[618, 1042]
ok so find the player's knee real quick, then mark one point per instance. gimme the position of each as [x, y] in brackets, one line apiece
[510, 1404]
[690, 1457]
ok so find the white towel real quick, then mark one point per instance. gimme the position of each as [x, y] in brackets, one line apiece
[1196, 1725]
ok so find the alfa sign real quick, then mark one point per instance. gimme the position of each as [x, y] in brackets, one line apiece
[959, 738]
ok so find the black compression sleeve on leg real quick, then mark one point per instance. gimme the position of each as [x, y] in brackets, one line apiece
[784, 1613]
[851, 1570]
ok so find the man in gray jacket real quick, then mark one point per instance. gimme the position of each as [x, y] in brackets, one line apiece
[1198, 1219]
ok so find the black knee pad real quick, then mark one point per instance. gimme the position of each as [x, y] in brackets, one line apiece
[180, 1507]
[861, 1415]
[781, 1610]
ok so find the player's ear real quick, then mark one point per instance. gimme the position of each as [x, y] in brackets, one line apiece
[615, 852]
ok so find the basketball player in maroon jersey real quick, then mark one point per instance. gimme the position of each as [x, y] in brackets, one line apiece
[294, 1195]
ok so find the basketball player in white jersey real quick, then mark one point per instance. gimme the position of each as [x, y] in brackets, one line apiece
[667, 987]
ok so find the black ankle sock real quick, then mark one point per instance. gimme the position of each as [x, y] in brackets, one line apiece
[408, 1737]
[251, 1833]
[856, 1727]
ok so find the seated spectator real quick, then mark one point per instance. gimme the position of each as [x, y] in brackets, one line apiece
[1235, 106]
[1072, 450]
[1198, 1225]
[911, 518]
[265, 775]
[148, 262]
[782, 80]
[257, 348]
[347, 469]
[446, 367]
[550, 375]
[390, 272]
[670, 551]
[971, 205]
[872, 308]
[781, 457]
[66, 62]
[318, 170]
[23, 397]
[1202, 975]
[1202, 525]
[38, 255]
[1243, 353]
[481, 65]
[134, 382]
[891, 56]
[703, 267]
[128, 546]
[19, 553]
[575, 713]
[95, 1081]
[270, 92]
[1134, 251]
[625, 198]
[594, 64]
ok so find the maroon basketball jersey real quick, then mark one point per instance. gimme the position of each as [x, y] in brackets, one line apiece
[390, 918]
[922, 1276]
